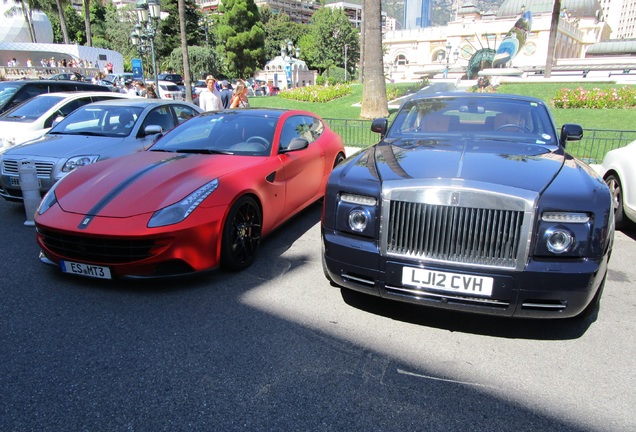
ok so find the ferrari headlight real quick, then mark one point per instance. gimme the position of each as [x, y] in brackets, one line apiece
[48, 201]
[79, 161]
[177, 212]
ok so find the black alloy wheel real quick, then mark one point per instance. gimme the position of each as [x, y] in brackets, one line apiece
[241, 234]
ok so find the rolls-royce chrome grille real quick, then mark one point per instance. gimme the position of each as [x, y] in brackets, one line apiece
[459, 234]
[43, 169]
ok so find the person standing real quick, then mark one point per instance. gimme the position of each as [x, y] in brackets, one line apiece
[210, 98]
[226, 94]
[239, 100]
[150, 92]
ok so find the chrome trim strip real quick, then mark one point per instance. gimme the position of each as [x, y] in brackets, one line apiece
[447, 296]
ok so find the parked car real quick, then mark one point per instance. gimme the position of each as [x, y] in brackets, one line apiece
[93, 132]
[120, 78]
[13, 93]
[35, 117]
[169, 90]
[471, 203]
[203, 196]
[619, 172]
[69, 76]
[173, 78]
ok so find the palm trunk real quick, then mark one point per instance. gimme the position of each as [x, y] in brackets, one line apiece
[184, 51]
[554, 27]
[374, 103]
[62, 17]
[87, 22]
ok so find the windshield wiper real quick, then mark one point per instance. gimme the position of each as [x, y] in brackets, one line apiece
[204, 151]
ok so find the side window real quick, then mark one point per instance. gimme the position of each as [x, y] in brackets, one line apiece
[184, 113]
[299, 127]
[161, 116]
[29, 91]
[66, 110]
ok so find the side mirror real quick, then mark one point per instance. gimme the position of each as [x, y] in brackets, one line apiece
[380, 125]
[296, 144]
[152, 130]
[57, 120]
[570, 132]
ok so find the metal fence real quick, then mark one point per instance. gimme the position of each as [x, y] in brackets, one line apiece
[591, 149]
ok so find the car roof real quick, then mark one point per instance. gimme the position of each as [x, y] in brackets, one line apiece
[23, 82]
[80, 94]
[485, 96]
[142, 102]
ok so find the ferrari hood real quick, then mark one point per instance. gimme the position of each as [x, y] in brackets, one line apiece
[63, 146]
[515, 164]
[143, 182]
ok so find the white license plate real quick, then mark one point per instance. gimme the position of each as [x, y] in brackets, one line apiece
[15, 182]
[89, 270]
[449, 282]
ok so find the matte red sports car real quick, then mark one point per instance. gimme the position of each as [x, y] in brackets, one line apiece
[202, 197]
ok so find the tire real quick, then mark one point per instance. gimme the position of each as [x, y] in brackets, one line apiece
[616, 188]
[338, 160]
[241, 234]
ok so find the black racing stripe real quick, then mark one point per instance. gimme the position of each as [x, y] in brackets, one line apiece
[121, 187]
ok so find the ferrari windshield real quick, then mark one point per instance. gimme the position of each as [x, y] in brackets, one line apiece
[228, 132]
[497, 118]
[99, 120]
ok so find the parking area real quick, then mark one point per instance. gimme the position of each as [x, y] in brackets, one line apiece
[276, 347]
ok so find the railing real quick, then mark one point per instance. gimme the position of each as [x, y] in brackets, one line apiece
[591, 149]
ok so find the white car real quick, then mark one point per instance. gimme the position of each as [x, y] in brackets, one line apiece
[34, 118]
[169, 90]
[619, 172]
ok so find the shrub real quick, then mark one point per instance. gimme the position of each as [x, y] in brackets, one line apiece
[624, 97]
[316, 93]
[320, 80]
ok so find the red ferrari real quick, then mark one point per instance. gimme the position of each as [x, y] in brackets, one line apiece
[203, 196]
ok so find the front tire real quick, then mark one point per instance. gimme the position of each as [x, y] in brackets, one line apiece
[241, 234]
[616, 189]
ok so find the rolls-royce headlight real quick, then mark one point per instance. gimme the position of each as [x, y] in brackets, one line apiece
[559, 240]
[357, 214]
[358, 219]
[177, 212]
[79, 161]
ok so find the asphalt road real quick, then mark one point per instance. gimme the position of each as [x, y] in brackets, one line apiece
[276, 348]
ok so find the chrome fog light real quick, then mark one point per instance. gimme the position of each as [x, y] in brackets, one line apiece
[559, 241]
[358, 220]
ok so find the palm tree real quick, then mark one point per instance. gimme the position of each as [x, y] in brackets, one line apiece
[184, 50]
[554, 27]
[374, 103]
[62, 17]
[87, 22]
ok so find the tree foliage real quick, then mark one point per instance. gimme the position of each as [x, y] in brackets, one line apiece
[324, 46]
[168, 34]
[279, 29]
[243, 36]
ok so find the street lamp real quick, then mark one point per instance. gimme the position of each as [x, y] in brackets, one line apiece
[286, 53]
[448, 56]
[148, 14]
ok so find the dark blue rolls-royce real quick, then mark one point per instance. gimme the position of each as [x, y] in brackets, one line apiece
[471, 203]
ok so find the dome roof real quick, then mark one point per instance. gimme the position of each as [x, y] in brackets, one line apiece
[14, 29]
[576, 8]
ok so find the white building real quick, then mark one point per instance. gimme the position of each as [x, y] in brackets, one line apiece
[286, 73]
[410, 54]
